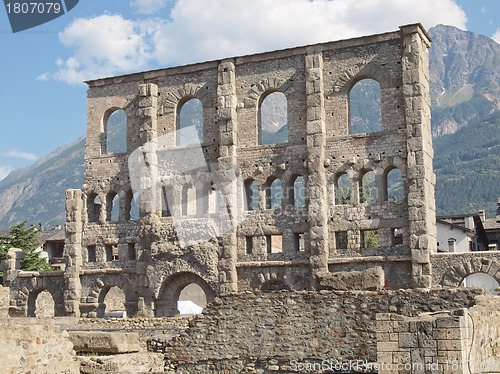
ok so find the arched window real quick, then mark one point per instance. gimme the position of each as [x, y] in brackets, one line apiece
[115, 132]
[299, 192]
[166, 196]
[94, 205]
[112, 207]
[394, 185]
[213, 200]
[273, 194]
[273, 120]
[342, 188]
[367, 188]
[364, 107]
[131, 207]
[252, 194]
[190, 124]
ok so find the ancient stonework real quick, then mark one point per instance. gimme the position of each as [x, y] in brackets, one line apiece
[218, 226]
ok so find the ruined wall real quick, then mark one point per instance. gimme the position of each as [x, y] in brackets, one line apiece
[39, 347]
[461, 341]
[316, 81]
[275, 328]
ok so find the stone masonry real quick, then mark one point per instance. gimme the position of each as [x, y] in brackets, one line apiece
[147, 258]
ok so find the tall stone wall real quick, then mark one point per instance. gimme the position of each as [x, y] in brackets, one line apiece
[177, 239]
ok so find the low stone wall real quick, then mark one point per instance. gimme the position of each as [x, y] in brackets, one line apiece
[283, 330]
[37, 346]
[461, 341]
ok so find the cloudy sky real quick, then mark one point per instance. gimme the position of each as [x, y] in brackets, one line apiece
[43, 99]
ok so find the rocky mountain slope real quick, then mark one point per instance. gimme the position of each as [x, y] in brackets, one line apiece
[465, 91]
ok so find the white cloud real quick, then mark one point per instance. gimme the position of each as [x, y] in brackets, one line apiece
[104, 46]
[43, 77]
[19, 154]
[496, 36]
[5, 171]
[200, 30]
[148, 6]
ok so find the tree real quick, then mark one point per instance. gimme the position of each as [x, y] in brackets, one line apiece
[27, 240]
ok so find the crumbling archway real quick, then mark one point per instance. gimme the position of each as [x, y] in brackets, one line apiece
[166, 303]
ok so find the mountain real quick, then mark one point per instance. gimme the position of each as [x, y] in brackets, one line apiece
[465, 94]
[464, 78]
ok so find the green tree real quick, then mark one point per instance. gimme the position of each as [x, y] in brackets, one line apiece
[27, 240]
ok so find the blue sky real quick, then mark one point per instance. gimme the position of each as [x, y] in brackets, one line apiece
[43, 99]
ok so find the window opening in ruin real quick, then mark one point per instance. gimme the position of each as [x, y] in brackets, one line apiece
[342, 189]
[191, 114]
[300, 244]
[134, 207]
[115, 132]
[397, 237]
[213, 200]
[482, 280]
[273, 128]
[341, 240]
[367, 188]
[273, 194]
[369, 238]
[299, 192]
[192, 300]
[112, 207]
[252, 194]
[274, 243]
[109, 252]
[131, 252]
[165, 196]
[364, 107]
[94, 208]
[41, 304]
[188, 200]
[91, 253]
[113, 304]
[394, 185]
[249, 244]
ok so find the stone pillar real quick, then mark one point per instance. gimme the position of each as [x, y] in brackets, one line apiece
[421, 179]
[228, 126]
[73, 252]
[316, 180]
[148, 113]
[150, 192]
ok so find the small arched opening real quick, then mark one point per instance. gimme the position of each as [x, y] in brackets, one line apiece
[112, 302]
[342, 187]
[393, 185]
[94, 206]
[367, 187]
[41, 304]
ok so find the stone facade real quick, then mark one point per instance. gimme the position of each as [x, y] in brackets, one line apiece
[316, 81]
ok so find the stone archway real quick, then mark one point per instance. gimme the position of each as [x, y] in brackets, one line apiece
[34, 305]
[166, 303]
[103, 284]
[456, 274]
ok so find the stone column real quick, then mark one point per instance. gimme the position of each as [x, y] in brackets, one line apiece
[317, 183]
[228, 126]
[150, 193]
[73, 252]
[421, 179]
